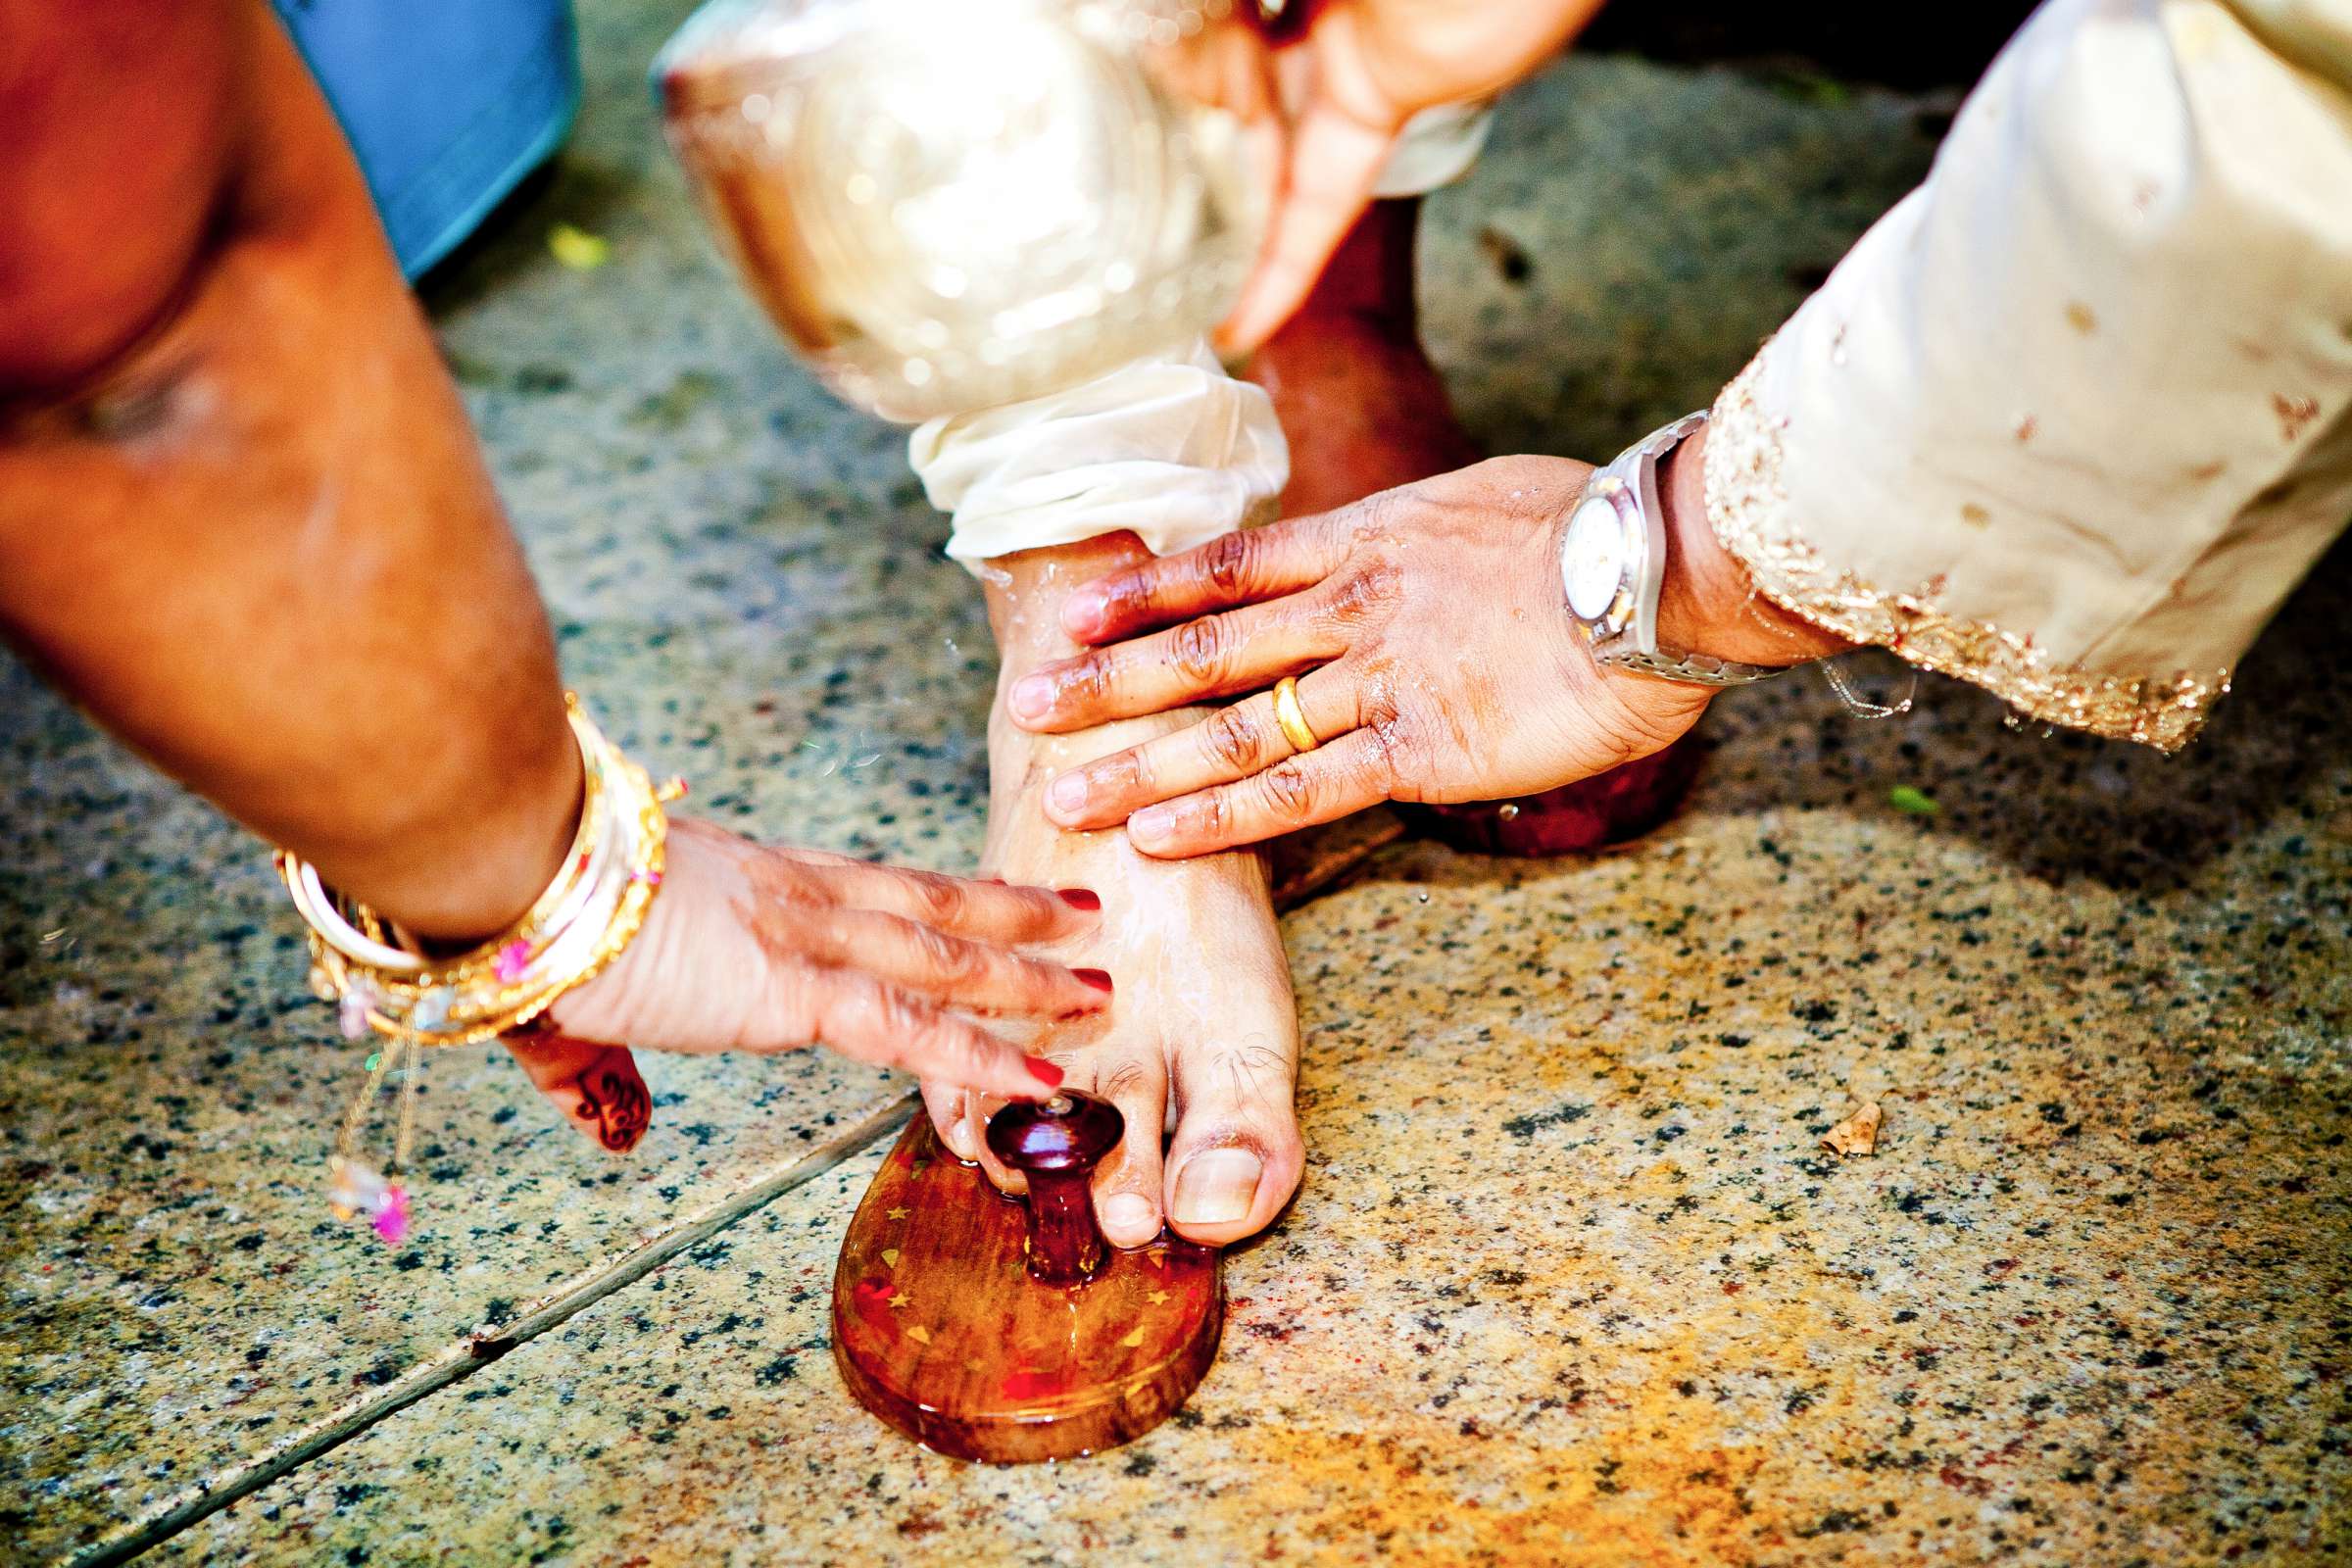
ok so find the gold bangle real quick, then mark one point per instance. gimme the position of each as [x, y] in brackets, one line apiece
[586, 917]
[588, 914]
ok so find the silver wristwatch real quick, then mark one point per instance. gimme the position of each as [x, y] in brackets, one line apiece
[1613, 558]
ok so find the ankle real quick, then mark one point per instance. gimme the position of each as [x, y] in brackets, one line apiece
[1025, 592]
[1368, 286]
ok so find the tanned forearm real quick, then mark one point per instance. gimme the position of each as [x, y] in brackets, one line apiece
[243, 519]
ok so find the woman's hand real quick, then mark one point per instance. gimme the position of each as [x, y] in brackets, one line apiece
[1434, 655]
[754, 948]
[1333, 99]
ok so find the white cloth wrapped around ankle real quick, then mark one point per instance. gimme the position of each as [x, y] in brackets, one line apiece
[1173, 450]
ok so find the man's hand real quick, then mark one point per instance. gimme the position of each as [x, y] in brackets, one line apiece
[1334, 100]
[1436, 657]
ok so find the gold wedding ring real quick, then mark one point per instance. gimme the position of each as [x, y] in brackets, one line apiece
[1291, 717]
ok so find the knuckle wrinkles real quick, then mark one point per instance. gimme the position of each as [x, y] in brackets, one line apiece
[945, 957]
[899, 1016]
[1382, 578]
[1289, 790]
[942, 900]
[1087, 681]
[1227, 564]
[1126, 597]
[962, 1050]
[1132, 772]
[1213, 815]
[800, 889]
[1197, 648]
[1376, 514]
[1230, 739]
[1350, 600]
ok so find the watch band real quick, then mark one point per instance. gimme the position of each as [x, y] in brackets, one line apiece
[1657, 443]
[1634, 647]
[1696, 669]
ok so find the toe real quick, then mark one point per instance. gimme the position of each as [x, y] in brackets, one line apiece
[1127, 1185]
[981, 1108]
[950, 1118]
[1236, 1155]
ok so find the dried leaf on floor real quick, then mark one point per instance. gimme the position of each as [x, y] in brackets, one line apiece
[1858, 1133]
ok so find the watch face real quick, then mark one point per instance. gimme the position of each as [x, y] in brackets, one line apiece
[1593, 561]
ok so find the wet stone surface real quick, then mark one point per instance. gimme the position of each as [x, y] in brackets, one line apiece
[1570, 1278]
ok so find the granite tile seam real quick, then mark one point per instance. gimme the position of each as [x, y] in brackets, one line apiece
[463, 1359]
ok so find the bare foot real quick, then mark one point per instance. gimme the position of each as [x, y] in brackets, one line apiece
[1363, 407]
[1203, 1035]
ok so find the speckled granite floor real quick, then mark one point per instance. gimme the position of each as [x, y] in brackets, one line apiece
[1569, 1281]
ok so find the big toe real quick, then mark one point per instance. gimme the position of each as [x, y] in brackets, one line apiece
[1236, 1155]
[951, 1117]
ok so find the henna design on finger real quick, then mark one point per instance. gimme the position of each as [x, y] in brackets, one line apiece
[619, 1104]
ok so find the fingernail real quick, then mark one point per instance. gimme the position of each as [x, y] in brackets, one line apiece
[1151, 822]
[1030, 697]
[1067, 792]
[1082, 612]
[1044, 1071]
[1081, 899]
[1100, 979]
[1218, 1187]
[1129, 1213]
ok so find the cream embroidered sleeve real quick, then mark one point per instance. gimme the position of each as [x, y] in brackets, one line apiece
[2075, 416]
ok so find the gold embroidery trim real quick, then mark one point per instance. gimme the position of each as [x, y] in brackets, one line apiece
[1749, 507]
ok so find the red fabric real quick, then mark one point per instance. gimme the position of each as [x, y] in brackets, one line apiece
[1609, 807]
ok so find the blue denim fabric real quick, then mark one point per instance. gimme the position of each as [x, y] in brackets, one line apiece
[448, 103]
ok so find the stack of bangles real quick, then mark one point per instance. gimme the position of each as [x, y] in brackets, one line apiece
[386, 982]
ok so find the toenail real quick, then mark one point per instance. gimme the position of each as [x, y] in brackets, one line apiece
[1067, 792]
[1218, 1187]
[1129, 1213]
[1031, 696]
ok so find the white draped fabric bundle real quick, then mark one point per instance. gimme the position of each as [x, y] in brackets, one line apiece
[1171, 449]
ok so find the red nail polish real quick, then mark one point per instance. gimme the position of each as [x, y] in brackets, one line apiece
[1081, 899]
[1100, 979]
[1044, 1071]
